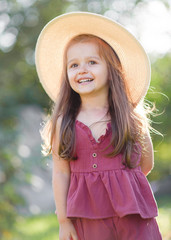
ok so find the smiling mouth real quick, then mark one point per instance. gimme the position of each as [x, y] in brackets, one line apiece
[85, 80]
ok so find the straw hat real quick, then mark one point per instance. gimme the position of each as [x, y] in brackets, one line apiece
[56, 34]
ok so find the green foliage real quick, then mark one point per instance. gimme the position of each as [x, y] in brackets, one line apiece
[19, 85]
[160, 94]
[9, 198]
[38, 227]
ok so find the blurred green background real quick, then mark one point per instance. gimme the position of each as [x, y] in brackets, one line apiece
[26, 199]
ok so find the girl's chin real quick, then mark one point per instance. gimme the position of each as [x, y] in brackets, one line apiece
[85, 90]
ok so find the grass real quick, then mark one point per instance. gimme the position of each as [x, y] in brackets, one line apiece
[41, 227]
[164, 222]
[164, 218]
[45, 227]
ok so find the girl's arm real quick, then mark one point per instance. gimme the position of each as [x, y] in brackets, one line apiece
[60, 183]
[60, 179]
[147, 158]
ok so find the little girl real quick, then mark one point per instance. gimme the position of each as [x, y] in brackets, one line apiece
[98, 74]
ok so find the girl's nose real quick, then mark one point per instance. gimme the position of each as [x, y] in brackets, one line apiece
[83, 69]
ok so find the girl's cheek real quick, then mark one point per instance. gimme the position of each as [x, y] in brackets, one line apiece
[71, 75]
[72, 72]
[68, 72]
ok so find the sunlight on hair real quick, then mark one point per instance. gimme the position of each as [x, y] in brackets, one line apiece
[45, 132]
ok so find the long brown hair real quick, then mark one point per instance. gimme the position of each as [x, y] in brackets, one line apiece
[128, 121]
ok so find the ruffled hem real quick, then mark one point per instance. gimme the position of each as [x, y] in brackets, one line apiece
[111, 193]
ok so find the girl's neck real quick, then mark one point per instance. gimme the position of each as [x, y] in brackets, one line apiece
[93, 109]
[91, 103]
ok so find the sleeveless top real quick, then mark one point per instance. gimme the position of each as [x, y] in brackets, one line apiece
[102, 187]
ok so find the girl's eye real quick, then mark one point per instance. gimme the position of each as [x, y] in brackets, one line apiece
[92, 62]
[74, 65]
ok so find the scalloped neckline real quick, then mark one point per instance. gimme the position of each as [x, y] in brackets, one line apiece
[89, 132]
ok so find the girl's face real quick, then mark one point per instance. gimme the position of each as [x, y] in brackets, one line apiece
[87, 71]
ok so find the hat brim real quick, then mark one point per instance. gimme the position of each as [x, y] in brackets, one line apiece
[59, 31]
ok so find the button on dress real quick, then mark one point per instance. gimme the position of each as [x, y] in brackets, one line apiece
[102, 187]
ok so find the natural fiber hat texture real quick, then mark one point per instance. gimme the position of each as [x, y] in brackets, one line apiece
[59, 31]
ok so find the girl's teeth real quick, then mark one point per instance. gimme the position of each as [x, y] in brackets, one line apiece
[85, 80]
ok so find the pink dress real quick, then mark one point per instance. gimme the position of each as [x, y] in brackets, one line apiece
[102, 187]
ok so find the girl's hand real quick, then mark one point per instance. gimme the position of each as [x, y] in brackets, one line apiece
[67, 231]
